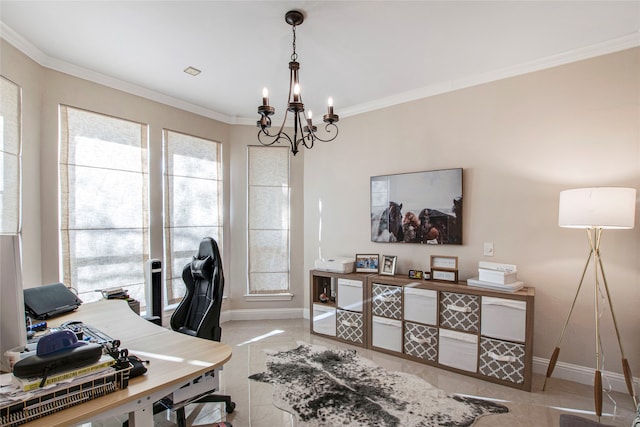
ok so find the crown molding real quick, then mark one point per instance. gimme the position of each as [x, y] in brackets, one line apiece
[610, 46]
[55, 64]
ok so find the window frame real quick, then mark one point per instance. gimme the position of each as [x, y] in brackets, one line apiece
[281, 294]
[70, 271]
[169, 261]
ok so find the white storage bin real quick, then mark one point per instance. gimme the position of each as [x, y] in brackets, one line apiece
[350, 294]
[421, 305]
[504, 318]
[324, 320]
[458, 350]
[386, 333]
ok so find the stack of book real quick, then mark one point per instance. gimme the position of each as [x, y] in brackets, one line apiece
[496, 276]
[26, 399]
[104, 364]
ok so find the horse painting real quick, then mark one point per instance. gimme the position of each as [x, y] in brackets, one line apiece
[388, 226]
[417, 207]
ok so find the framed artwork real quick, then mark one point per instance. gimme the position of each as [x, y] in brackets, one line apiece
[388, 265]
[367, 263]
[418, 207]
[444, 262]
[444, 275]
[415, 274]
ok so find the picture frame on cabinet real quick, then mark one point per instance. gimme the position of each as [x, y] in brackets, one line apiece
[367, 263]
[415, 274]
[388, 265]
[442, 262]
[444, 275]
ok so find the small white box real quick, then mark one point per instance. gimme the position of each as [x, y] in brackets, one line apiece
[496, 276]
[324, 320]
[504, 318]
[386, 333]
[458, 350]
[335, 265]
[350, 294]
[420, 305]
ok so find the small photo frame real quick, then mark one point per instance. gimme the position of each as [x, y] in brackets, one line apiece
[388, 265]
[444, 275]
[415, 274]
[367, 263]
[442, 262]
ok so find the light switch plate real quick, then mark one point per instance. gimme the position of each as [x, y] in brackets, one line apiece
[488, 248]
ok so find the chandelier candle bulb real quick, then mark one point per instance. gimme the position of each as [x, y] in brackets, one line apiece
[296, 93]
[330, 104]
[265, 96]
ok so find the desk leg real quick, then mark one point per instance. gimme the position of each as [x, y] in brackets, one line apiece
[142, 417]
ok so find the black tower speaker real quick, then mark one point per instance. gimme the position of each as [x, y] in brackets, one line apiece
[153, 276]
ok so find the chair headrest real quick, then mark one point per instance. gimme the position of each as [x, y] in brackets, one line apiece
[202, 268]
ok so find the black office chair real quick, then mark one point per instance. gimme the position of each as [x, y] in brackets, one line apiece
[198, 314]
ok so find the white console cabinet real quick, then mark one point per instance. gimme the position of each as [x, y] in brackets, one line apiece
[338, 306]
[473, 331]
[479, 332]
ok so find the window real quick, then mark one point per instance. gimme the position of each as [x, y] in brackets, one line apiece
[9, 157]
[192, 203]
[103, 203]
[268, 220]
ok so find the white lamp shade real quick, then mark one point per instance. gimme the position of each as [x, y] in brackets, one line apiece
[604, 207]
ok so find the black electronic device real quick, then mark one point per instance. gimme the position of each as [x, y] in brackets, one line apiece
[154, 303]
[44, 302]
[57, 352]
[87, 333]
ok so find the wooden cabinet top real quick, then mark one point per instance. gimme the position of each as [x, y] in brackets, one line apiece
[460, 286]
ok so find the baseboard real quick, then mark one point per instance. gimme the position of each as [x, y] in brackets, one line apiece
[261, 314]
[582, 375]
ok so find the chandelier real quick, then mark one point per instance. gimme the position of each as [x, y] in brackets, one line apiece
[302, 135]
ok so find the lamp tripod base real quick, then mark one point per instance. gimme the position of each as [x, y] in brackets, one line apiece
[594, 235]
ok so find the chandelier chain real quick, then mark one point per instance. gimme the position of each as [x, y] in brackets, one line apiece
[294, 55]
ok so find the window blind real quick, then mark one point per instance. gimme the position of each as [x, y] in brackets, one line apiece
[268, 219]
[10, 157]
[192, 203]
[104, 206]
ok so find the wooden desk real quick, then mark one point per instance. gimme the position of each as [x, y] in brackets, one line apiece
[175, 359]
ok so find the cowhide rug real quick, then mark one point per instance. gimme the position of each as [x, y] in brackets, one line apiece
[325, 387]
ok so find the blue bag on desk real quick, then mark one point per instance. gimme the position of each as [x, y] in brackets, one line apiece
[57, 352]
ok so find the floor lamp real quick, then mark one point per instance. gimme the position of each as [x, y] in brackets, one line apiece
[596, 209]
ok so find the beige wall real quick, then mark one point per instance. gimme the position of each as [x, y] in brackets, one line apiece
[44, 90]
[520, 141]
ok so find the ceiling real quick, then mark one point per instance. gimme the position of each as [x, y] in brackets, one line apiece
[365, 54]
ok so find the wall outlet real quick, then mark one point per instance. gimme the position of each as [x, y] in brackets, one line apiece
[488, 248]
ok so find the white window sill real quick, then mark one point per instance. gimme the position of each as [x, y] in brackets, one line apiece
[285, 296]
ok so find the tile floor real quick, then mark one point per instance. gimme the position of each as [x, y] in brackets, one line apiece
[253, 399]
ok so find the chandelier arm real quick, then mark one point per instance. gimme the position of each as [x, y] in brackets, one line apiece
[308, 139]
[329, 128]
[267, 143]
